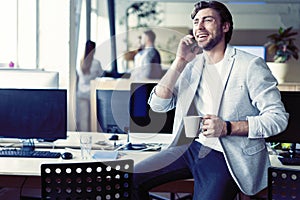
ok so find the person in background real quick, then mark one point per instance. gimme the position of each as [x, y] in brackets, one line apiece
[147, 62]
[237, 96]
[90, 68]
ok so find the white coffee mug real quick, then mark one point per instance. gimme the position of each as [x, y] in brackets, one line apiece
[192, 126]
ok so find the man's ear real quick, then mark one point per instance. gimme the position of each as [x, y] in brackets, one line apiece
[226, 27]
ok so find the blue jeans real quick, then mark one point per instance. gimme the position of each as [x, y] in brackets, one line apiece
[212, 180]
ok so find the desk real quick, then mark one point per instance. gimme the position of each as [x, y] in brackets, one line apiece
[289, 87]
[17, 173]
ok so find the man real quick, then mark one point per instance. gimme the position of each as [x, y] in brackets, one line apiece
[147, 61]
[237, 96]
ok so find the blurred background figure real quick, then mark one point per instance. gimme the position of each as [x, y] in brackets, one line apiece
[90, 68]
[147, 62]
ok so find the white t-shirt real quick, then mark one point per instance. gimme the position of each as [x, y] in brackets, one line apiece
[211, 82]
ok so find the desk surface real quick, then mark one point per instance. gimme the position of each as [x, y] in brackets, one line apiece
[31, 166]
[21, 176]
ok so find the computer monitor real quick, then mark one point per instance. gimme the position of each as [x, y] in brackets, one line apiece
[112, 110]
[291, 101]
[259, 51]
[33, 114]
[28, 79]
[145, 124]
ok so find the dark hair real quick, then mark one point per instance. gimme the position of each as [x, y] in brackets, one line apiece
[222, 10]
[150, 34]
[89, 47]
[87, 60]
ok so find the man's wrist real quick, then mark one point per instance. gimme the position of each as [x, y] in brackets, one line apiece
[179, 64]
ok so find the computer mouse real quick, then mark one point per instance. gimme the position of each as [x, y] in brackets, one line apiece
[66, 155]
[114, 137]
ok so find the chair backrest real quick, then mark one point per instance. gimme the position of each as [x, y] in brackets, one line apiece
[87, 180]
[283, 183]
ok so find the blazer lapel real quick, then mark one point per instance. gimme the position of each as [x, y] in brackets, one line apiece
[217, 85]
[185, 105]
[192, 85]
[187, 88]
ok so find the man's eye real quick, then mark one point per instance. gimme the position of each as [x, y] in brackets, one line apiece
[208, 20]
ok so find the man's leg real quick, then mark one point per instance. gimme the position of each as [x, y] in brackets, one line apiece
[213, 180]
[165, 166]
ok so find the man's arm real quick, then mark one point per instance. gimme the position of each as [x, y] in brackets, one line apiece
[186, 52]
[165, 86]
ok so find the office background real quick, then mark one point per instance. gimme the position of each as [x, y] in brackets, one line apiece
[50, 34]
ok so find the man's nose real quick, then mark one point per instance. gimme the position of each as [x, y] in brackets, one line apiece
[200, 25]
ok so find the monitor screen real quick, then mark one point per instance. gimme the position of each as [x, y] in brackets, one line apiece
[259, 51]
[113, 110]
[143, 119]
[33, 114]
[291, 102]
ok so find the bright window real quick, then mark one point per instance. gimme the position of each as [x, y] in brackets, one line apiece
[35, 34]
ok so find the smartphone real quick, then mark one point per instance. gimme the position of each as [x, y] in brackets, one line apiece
[194, 46]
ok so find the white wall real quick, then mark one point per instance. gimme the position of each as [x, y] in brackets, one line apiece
[245, 16]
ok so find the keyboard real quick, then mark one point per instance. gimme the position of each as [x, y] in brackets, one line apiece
[28, 154]
[289, 161]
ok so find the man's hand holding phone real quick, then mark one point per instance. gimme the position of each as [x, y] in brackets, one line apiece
[188, 48]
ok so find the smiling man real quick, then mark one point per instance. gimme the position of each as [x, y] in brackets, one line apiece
[237, 96]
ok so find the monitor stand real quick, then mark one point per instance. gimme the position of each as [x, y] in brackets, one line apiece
[114, 138]
[28, 145]
[130, 146]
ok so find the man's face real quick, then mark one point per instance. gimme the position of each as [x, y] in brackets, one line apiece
[207, 29]
[143, 40]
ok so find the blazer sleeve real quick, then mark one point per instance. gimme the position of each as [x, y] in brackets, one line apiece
[272, 118]
[159, 104]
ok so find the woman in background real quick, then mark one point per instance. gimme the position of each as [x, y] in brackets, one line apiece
[90, 68]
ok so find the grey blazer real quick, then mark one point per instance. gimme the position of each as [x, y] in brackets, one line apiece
[249, 93]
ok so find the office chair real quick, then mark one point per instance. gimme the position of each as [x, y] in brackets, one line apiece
[87, 180]
[283, 183]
